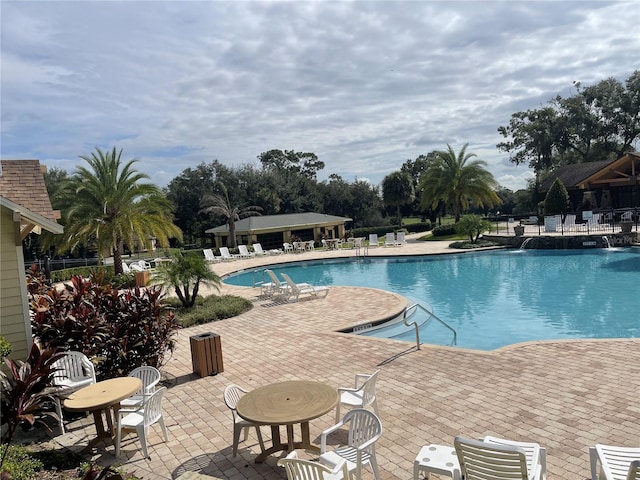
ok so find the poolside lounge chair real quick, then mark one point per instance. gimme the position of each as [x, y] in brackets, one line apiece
[210, 257]
[390, 240]
[125, 267]
[276, 288]
[257, 248]
[226, 256]
[373, 240]
[400, 238]
[244, 252]
[294, 290]
[616, 463]
[494, 457]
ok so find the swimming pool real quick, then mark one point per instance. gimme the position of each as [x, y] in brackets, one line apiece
[498, 298]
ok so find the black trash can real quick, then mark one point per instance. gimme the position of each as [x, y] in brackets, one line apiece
[206, 354]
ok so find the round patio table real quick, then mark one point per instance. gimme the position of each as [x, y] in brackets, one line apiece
[103, 396]
[287, 403]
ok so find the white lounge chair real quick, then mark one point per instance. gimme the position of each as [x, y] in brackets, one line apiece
[257, 248]
[364, 431]
[244, 252]
[401, 238]
[210, 257]
[361, 395]
[226, 256]
[494, 457]
[373, 240]
[616, 463]
[294, 290]
[390, 239]
[144, 265]
[125, 267]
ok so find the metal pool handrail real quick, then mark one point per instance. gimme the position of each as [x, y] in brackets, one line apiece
[432, 315]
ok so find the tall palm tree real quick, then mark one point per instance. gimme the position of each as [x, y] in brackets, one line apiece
[108, 204]
[456, 182]
[219, 204]
[397, 191]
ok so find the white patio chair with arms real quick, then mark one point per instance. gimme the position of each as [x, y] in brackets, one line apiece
[141, 420]
[364, 431]
[616, 463]
[72, 372]
[362, 395]
[149, 376]
[288, 248]
[144, 265]
[232, 394]
[125, 267]
[499, 458]
[298, 469]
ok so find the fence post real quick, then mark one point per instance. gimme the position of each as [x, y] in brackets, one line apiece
[47, 267]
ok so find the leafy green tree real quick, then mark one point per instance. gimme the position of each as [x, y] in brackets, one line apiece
[397, 191]
[457, 182]
[305, 164]
[184, 274]
[108, 204]
[473, 226]
[557, 199]
[219, 204]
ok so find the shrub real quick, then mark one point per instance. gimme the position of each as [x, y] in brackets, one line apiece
[444, 230]
[117, 330]
[472, 226]
[213, 308]
[5, 347]
[18, 463]
[419, 227]
[557, 199]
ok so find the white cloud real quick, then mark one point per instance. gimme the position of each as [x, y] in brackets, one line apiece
[365, 85]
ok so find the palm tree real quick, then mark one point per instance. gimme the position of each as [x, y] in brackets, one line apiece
[219, 204]
[456, 183]
[397, 191]
[108, 205]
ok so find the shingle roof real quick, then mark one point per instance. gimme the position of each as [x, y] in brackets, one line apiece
[572, 175]
[21, 181]
[266, 222]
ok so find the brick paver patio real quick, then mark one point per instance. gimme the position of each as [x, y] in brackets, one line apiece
[566, 395]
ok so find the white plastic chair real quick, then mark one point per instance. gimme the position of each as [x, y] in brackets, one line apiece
[311, 245]
[362, 395]
[298, 469]
[288, 248]
[616, 463]
[141, 420]
[232, 394]
[496, 457]
[364, 431]
[149, 376]
[72, 372]
[144, 265]
[257, 248]
[210, 257]
[125, 267]
[244, 252]
[226, 256]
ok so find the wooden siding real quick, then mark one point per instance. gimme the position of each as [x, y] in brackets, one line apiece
[14, 313]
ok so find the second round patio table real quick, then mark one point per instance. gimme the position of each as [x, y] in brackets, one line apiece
[287, 403]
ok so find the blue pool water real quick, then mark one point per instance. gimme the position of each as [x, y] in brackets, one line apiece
[498, 298]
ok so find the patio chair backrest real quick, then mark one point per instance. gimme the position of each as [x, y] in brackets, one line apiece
[364, 426]
[224, 251]
[153, 407]
[258, 248]
[481, 460]
[149, 376]
[208, 255]
[73, 367]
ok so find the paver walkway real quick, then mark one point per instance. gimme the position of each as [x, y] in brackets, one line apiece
[565, 395]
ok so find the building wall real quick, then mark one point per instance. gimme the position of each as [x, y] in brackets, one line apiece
[14, 310]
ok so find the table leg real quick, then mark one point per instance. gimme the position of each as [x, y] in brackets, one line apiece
[101, 433]
[291, 444]
[306, 439]
[276, 444]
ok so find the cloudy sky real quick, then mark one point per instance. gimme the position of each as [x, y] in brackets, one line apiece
[364, 85]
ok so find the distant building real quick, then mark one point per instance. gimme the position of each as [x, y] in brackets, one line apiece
[24, 208]
[601, 185]
[271, 231]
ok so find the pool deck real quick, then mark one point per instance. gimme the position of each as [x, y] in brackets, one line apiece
[565, 395]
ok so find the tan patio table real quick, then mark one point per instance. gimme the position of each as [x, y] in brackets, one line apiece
[287, 403]
[103, 396]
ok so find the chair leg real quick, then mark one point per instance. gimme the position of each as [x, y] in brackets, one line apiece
[142, 435]
[593, 460]
[374, 466]
[59, 412]
[236, 439]
[164, 429]
[338, 412]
